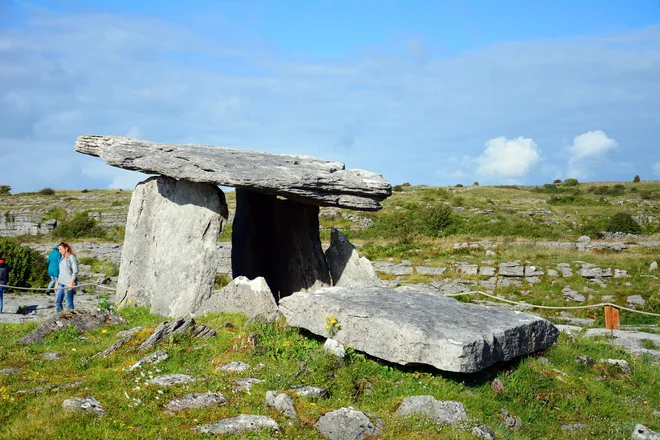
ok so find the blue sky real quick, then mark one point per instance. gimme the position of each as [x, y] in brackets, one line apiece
[426, 92]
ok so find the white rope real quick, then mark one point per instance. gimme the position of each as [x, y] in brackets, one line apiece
[523, 304]
[44, 288]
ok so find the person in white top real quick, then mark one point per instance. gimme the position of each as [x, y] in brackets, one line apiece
[67, 278]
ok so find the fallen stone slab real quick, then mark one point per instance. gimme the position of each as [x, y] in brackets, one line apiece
[443, 412]
[239, 424]
[302, 178]
[196, 400]
[87, 404]
[83, 320]
[282, 403]
[310, 391]
[411, 327]
[347, 423]
[153, 358]
[172, 379]
[347, 268]
[179, 326]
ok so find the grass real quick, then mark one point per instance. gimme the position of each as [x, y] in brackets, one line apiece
[543, 395]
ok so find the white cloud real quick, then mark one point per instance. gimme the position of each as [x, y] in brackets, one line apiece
[587, 150]
[508, 158]
[656, 169]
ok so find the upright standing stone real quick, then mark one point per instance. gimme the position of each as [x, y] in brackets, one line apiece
[169, 258]
[346, 266]
[278, 240]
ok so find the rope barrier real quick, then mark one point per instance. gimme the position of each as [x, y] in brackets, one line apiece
[524, 304]
[45, 288]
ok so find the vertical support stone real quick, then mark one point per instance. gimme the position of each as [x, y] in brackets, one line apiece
[170, 253]
[278, 240]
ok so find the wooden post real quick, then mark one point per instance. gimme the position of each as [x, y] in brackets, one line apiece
[612, 318]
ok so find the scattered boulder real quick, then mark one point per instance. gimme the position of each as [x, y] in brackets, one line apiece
[153, 358]
[82, 319]
[641, 432]
[572, 295]
[235, 366]
[635, 300]
[87, 404]
[253, 298]
[167, 214]
[511, 270]
[511, 422]
[239, 424]
[347, 268]
[282, 403]
[347, 424]
[171, 379]
[621, 364]
[310, 391]
[585, 360]
[335, 348]
[196, 400]
[244, 384]
[484, 433]
[179, 326]
[442, 412]
[445, 333]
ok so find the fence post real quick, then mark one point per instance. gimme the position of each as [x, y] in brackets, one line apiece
[612, 321]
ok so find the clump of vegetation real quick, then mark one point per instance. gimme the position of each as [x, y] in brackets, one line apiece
[221, 280]
[81, 225]
[636, 179]
[623, 222]
[27, 267]
[47, 192]
[459, 185]
[108, 268]
[5, 189]
[570, 182]
[55, 213]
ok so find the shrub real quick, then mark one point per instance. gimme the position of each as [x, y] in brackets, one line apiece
[459, 185]
[623, 222]
[397, 188]
[405, 184]
[636, 179]
[56, 213]
[570, 182]
[27, 268]
[475, 184]
[557, 182]
[5, 189]
[80, 226]
[47, 192]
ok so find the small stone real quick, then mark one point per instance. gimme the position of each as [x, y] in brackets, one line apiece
[51, 356]
[490, 253]
[9, 371]
[282, 403]
[623, 365]
[487, 271]
[235, 366]
[484, 433]
[446, 412]
[572, 427]
[196, 400]
[239, 424]
[129, 332]
[585, 360]
[584, 239]
[246, 383]
[347, 423]
[172, 379]
[510, 422]
[310, 391]
[335, 348]
[635, 300]
[153, 358]
[553, 273]
[572, 295]
[653, 266]
[88, 404]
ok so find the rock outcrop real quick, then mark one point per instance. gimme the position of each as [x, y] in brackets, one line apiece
[169, 259]
[412, 327]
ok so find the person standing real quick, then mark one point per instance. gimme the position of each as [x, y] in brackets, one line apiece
[53, 268]
[67, 277]
[4, 279]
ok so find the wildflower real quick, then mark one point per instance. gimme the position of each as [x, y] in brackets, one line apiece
[104, 331]
[498, 386]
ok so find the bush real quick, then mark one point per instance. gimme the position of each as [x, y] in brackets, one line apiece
[636, 179]
[80, 226]
[5, 189]
[475, 184]
[47, 192]
[557, 182]
[397, 188]
[570, 182]
[623, 222]
[459, 185]
[27, 268]
[56, 213]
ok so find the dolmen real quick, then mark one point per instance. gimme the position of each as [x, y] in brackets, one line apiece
[169, 258]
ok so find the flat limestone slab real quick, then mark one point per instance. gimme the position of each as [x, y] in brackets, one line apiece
[302, 178]
[412, 327]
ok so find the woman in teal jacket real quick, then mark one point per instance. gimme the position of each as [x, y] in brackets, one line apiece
[53, 268]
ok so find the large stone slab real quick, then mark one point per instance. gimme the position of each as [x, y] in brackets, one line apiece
[412, 327]
[169, 258]
[251, 297]
[301, 178]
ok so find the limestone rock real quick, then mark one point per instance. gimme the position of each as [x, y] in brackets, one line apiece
[244, 384]
[511, 422]
[641, 432]
[335, 348]
[533, 271]
[411, 327]
[392, 268]
[87, 404]
[424, 270]
[444, 412]
[487, 271]
[251, 297]
[310, 391]
[239, 424]
[9, 371]
[484, 433]
[82, 319]
[302, 178]
[588, 271]
[196, 400]
[653, 266]
[153, 358]
[346, 424]
[347, 268]
[282, 403]
[169, 258]
[171, 379]
[511, 270]
[572, 295]
[178, 326]
[635, 300]
[235, 366]
[621, 364]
